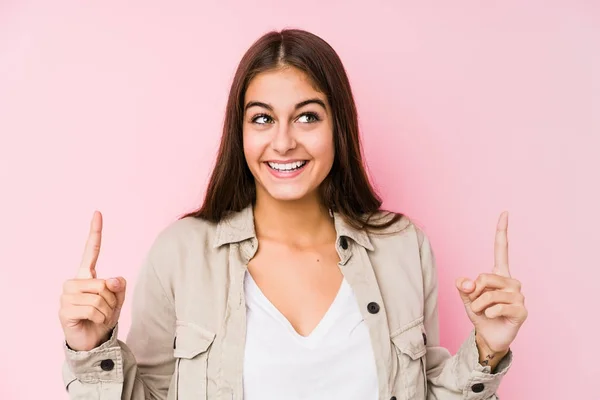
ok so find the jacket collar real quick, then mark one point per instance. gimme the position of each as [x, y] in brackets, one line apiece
[239, 226]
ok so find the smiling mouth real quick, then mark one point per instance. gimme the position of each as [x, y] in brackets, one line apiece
[287, 167]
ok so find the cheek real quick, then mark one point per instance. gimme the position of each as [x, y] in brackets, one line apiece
[253, 147]
[321, 148]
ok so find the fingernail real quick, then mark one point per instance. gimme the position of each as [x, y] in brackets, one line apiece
[466, 285]
[115, 282]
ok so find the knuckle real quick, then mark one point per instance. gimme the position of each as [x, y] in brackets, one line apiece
[483, 278]
[68, 286]
[96, 315]
[479, 286]
[488, 296]
[89, 312]
[64, 299]
[102, 286]
[518, 285]
[113, 303]
[109, 297]
[485, 297]
[97, 300]
[99, 285]
[96, 285]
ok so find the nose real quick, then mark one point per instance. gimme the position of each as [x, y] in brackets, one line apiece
[283, 141]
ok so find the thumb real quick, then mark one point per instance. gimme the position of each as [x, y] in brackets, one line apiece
[465, 286]
[117, 286]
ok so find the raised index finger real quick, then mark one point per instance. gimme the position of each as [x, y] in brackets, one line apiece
[87, 269]
[501, 246]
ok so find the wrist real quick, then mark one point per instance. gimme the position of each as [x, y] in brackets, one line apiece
[488, 356]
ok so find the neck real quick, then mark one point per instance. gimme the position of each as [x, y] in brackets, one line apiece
[302, 222]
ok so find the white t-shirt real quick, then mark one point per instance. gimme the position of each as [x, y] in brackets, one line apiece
[336, 361]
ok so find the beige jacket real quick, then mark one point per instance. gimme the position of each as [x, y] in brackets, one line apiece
[187, 336]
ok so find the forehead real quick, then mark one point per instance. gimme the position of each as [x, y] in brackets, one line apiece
[282, 87]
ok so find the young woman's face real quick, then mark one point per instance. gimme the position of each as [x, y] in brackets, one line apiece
[287, 134]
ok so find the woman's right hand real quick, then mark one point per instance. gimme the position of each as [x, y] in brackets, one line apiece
[90, 307]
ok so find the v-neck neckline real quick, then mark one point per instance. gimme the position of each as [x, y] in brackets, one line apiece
[322, 327]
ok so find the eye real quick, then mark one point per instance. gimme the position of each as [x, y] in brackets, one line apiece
[315, 117]
[258, 117]
[263, 119]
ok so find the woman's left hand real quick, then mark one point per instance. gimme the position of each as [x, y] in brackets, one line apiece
[494, 302]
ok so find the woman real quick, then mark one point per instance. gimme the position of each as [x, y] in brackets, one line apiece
[289, 281]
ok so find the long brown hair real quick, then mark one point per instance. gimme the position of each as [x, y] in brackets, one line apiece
[346, 189]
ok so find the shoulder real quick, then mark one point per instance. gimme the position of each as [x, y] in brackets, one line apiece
[403, 229]
[404, 243]
[178, 238]
[185, 230]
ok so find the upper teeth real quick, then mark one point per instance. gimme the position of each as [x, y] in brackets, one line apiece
[288, 166]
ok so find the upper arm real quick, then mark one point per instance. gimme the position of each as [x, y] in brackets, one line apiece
[430, 288]
[152, 329]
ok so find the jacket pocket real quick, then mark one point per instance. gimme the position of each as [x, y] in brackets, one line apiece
[191, 349]
[410, 381]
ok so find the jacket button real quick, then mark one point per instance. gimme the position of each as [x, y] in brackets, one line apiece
[344, 243]
[478, 387]
[393, 398]
[373, 307]
[425, 339]
[107, 365]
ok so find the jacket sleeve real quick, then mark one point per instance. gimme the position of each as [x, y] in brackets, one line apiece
[458, 376]
[141, 368]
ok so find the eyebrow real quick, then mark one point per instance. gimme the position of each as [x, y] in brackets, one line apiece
[296, 107]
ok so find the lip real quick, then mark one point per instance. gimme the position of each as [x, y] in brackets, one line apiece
[286, 175]
[285, 161]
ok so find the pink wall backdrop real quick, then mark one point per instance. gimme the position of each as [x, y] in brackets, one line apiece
[466, 110]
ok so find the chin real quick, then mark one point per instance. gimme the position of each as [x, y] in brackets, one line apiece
[287, 195]
[289, 192]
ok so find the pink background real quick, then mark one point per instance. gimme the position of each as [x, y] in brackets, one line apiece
[466, 110]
